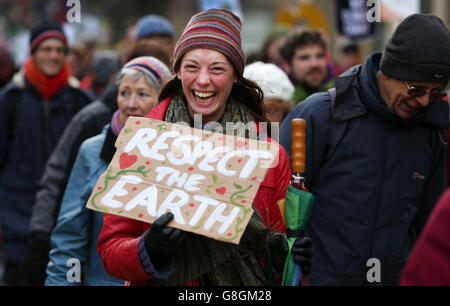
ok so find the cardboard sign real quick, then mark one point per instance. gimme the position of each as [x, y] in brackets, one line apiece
[207, 180]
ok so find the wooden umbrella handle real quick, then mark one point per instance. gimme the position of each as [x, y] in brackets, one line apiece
[298, 145]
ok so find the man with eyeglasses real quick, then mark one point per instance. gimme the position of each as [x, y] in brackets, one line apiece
[35, 107]
[375, 156]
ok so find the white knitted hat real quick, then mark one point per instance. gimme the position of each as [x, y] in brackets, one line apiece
[273, 81]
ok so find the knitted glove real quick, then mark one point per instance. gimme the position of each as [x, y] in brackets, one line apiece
[161, 241]
[303, 253]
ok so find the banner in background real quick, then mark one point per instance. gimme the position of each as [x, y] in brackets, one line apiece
[352, 19]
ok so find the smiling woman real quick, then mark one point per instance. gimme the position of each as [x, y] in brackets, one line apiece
[207, 77]
[209, 64]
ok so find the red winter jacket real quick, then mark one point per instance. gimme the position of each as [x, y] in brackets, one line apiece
[121, 244]
[429, 262]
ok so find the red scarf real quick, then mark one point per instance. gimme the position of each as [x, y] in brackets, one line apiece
[46, 86]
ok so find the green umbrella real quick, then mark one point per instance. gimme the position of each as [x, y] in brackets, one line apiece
[298, 202]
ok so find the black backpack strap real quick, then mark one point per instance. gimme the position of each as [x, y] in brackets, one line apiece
[337, 128]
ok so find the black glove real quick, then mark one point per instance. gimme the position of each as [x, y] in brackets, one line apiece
[303, 253]
[278, 251]
[36, 259]
[161, 241]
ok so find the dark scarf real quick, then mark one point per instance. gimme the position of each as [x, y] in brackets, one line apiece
[371, 96]
[215, 262]
[109, 148]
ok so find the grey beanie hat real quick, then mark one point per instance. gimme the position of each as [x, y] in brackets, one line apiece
[419, 50]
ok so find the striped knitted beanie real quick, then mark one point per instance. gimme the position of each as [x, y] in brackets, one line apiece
[217, 29]
[152, 67]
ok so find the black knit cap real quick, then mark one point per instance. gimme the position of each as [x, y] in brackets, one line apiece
[46, 29]
[419, 50]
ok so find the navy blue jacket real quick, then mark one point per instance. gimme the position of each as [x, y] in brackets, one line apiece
[376, 190]
[25, 145]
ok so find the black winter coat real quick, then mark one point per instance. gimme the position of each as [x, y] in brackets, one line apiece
[30, 128]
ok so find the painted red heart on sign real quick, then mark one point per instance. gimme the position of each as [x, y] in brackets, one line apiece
[221, 190]
[126, 160]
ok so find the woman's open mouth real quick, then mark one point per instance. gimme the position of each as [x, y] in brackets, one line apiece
[204, 97]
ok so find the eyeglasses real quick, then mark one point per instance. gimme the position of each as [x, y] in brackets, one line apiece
[419, 92]
[48, 50]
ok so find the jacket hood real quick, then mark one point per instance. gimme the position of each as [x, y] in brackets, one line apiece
[436, 114]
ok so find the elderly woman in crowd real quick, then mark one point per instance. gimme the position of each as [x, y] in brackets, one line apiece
[209, 64]
[77, 229]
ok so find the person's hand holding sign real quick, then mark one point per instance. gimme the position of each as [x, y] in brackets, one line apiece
[162, 241]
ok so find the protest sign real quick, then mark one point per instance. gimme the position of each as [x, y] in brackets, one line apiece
[207, 180]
